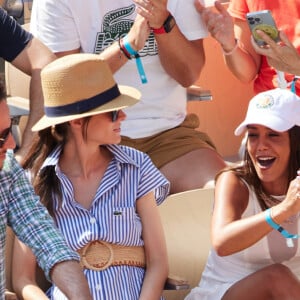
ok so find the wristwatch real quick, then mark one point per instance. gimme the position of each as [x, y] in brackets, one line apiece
[166, 27]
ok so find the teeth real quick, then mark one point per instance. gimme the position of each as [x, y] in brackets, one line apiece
[265, 158]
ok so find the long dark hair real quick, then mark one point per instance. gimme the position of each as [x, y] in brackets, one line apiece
[2, 91]
[247, 172]
[45, 181]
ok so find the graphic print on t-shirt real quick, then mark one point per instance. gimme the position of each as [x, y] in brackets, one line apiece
[116, 25]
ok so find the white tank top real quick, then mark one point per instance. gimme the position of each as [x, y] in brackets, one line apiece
[222, 272]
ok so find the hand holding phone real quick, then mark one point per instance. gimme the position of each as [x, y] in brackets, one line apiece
[262, 20]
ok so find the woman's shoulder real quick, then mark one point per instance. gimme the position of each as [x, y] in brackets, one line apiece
[232, 182]
[128, 153]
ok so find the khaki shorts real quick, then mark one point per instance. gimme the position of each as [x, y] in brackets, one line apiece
[173, 143]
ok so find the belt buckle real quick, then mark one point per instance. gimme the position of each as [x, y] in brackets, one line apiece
[97, 255]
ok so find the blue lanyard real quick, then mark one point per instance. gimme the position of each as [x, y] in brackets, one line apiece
[137, 57]
[293, 84]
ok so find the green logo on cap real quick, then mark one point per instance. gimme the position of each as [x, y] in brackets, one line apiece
[265, 101]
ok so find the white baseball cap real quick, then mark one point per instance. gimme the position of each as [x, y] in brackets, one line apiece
[278, 109]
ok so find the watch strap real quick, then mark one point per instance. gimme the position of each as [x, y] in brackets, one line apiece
[166, 27]
[159, 30]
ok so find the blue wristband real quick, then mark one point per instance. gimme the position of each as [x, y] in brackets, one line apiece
[293, 84]
[128, 47]
[137, 57]
[274, 225]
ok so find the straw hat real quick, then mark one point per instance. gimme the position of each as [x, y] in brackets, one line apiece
[81, 85]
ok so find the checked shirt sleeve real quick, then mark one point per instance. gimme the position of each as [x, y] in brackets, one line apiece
[31, 221]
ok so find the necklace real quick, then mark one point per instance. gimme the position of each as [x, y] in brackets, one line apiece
[272, 200]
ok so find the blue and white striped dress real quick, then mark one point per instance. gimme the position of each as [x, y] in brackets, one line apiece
[112, 217]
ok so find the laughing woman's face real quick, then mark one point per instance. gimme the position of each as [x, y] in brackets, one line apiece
[270, 152]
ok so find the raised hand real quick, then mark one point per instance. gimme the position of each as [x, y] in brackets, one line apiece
[219, 23]
[283, 56]
[292, 199]
[139, 33]
[154, 11]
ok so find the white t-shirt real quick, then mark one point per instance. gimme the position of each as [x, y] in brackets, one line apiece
[93, 25]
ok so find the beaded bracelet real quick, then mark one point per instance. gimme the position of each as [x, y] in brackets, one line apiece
[274, 225]
[137, 57]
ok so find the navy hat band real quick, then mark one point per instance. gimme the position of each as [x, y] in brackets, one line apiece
[83, 105]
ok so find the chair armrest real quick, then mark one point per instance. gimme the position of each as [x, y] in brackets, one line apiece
[176, 283]
[10, 296]
[195, 92]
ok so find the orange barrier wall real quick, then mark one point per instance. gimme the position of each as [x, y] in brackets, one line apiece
[219, 117]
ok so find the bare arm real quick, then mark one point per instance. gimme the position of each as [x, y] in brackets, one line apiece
[67, 275]
[31, 60]
[24, 273]
[137, 37]
[232, 233]
[243, 61]
[182, 59]
[155, 248]
[183, 63]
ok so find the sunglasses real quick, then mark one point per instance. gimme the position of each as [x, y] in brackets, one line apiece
[114, 115]
[4, 135]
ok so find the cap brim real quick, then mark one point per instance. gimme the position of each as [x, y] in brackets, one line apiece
[272, 122]
[129, 96]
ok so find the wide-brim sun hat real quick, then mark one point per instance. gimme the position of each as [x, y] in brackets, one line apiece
[81, 85]
[277, 109]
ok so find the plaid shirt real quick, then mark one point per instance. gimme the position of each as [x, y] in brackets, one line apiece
[21, 209]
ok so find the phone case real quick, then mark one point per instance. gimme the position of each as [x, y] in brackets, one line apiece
[262, 20]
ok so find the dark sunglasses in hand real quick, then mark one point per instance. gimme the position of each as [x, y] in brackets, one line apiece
[4, 135]
[114, 115]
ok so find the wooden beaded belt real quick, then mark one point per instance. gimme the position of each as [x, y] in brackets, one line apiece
[99, 255]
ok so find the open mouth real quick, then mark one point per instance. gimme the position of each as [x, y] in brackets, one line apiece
[265, 162]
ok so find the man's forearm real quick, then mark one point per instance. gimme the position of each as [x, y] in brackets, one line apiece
[31, 61]
[69, 278]
[181, 58]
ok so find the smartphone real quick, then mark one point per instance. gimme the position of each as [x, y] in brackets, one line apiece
[262, 20]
